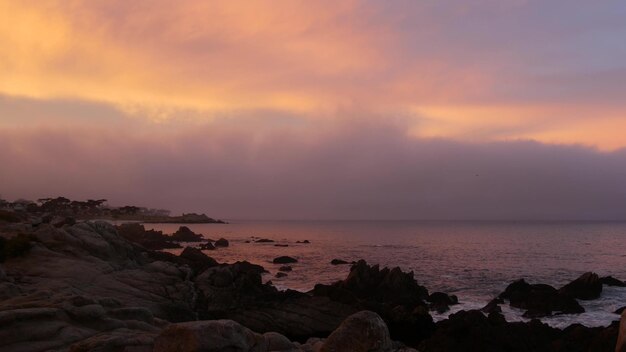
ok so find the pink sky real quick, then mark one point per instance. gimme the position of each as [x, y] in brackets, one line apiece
[318, 109]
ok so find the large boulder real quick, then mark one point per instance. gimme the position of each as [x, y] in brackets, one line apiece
[284, 260]
[539, 300]
[611, 281]
[209, 336]
[361, 332]
[587, 286]
[222, 242]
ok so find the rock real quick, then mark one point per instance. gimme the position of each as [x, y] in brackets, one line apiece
[284, 260]
[184, 234]
[151, 239]
[60, 221]
[338, 262]
[222, 242]
[209, 336]
[198, 261]
[280, 274]
[611, 281]
[285, 268]
[361, 332]
[264, 240]
[441, 302]
[281, 245]
[277, 342]
[620, 310]
[539, 299]
[620, 346]
[493, 306]
[391, 293]
[304, 242]
[588, 286]
[207, 246]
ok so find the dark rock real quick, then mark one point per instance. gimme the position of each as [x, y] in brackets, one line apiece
[620, 345]
[284, 260]
[493, 306]
[60, 221]
[472, 331]
[222, 242]
[620, 310]
[305, 241]
[611, 281]
[264, 240]
[10, 216]
[209, 336]
[338, 262]
[198, 260]
[539, 299]
[184, 234]
[207, 246]
[151, 239]
[285, 268]
[280, 274]
[361, 332]
[391, 293]
[441, 302]
[281, 245]
[588, 286]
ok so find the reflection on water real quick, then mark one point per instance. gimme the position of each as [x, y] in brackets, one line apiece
[474, 260]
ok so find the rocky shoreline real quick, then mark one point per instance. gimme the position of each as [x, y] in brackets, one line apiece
[90, 286]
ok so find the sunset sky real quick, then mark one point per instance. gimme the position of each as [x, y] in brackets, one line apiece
[421, 109]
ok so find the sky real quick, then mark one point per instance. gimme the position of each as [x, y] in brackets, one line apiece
[420, 109]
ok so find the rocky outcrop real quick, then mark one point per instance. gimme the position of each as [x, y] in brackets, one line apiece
[150, 239]
[540, 300]
[184, 234]
[441, 302]
[197, 260]
[587, 286]
[391, 293]
[611, 281]
[88, 287]
[473, 331]
[338, 262]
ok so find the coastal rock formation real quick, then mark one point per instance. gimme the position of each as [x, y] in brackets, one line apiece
[284, 260]
[222, 242]
[197, 260]
[338, 262]
[611, 281]
[391, 293]
[184, 234]
[441, 302]
[150, 239]
[539, 299]
[587, 286]
[473, 331]
[94, 288]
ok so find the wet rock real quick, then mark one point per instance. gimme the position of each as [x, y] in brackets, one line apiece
[207, 246]
[304, 242]
[540, 300]
[441, 302]
[620, 310]
[280, 274]
[588, 286]
[264, 240]
[611, 281]
[198, 260]
[281, 245]
[285, 268]
[284, 260]
[338, 262]
[222, 242]
[361, 332]
[493, 306]
[184, 234]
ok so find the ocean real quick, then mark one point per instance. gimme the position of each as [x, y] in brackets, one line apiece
[473, 260]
